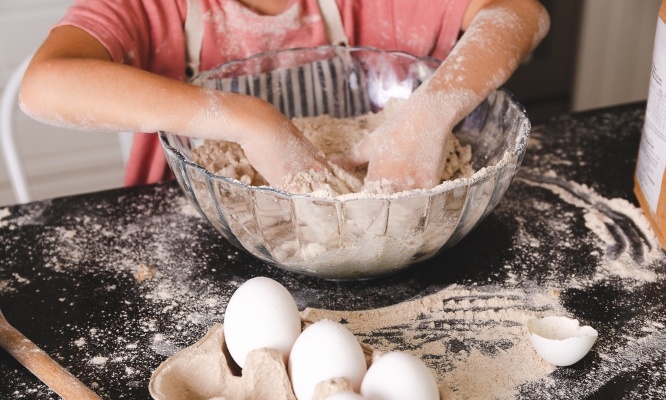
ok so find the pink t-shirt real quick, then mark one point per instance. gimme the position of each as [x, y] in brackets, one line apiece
[148, 34]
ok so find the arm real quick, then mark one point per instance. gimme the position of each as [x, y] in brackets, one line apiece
[72, 82]
[407, 151]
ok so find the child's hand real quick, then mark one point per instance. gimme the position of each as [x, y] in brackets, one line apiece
[408, 151]
[271, 142]
[278, 149]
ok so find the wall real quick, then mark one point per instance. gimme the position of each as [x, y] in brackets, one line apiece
[58, 161]
[544, 82]
[615, 52]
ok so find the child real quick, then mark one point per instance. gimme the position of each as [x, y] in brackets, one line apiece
[121, 66]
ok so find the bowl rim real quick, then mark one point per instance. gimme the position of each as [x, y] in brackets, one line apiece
[482, 173]
[328, 47]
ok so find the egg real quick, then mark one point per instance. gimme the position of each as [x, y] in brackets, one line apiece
[325, 350]
[399, 375]
[560, 341]
[261, 313]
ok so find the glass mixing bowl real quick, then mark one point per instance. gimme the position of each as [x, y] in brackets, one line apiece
[350, 237]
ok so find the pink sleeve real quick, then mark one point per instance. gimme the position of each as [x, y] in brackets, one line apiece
[419, 27]
[141, 33]
[451, 28]
[120, 26]
[146, 34]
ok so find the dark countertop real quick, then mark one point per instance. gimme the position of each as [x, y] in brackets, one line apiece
[568, 223]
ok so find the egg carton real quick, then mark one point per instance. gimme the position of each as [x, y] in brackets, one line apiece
[206, 370]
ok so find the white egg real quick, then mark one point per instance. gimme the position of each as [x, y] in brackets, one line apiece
[261, 313]
[398, 375]
[323, 351]
[561, 341]
[345, 396]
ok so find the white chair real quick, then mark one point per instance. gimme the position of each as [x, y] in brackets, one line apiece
[10, 152]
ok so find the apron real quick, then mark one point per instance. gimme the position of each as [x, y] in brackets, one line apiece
[305, 96]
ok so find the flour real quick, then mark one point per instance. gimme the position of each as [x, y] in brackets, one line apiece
[4, 213]
[20, 279]
[622, 229]
[482, 351]
[227, 159]
[4, 286]
[336, 138]
[471, 335]
[99, 360]
[145, 272]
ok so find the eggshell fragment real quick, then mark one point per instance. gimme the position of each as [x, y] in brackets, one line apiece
[261, 314]
[560, 341]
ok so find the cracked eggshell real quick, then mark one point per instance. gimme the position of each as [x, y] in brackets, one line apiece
[560, 341]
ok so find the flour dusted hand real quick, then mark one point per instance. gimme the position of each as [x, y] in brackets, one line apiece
[273, 145]
[407, 152]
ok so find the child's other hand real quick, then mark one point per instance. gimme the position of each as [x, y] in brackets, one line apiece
[278, 149]
[406, 152]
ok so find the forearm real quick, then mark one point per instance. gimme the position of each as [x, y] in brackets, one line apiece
[72, 82]
[407, 151]
[498, 38]
[100, 95]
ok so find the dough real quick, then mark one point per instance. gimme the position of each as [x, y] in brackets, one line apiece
[335, 137]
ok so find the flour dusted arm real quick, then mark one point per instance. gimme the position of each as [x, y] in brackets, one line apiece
[72, 82]
[407, 151]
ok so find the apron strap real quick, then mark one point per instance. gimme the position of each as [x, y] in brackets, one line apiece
[333, 22]
[193, 38]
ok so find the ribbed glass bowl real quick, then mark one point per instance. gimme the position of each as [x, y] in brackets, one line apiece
[350, 237]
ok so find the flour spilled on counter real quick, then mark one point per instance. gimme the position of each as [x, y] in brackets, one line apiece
[10, 285]
[145, 272]
[110, 255]
[99, 360]
[4, 213]
[4, 286]
[473, 338]
[478, 346]
[628, 244]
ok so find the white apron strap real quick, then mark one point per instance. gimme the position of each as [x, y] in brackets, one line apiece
[333, 22]
[193, 38]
